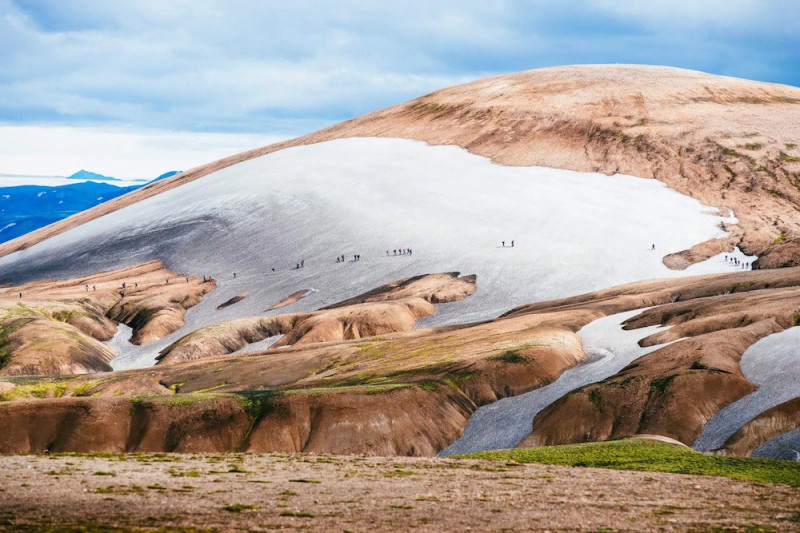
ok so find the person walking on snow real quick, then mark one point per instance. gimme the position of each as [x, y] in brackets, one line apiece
[504, 244]
[512, 244]
[653, 247]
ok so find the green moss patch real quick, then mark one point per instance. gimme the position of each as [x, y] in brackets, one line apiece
[510, 357]
[648, 456]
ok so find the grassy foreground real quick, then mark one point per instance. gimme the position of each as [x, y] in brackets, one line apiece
[650, 456]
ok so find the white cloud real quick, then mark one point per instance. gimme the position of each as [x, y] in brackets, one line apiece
[291, 67]
[127, 154]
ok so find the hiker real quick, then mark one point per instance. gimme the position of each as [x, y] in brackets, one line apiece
[297, 267]
[94, 287]
[504, 244]
[394, 252]
[410, 252]
[302, 263]
[20, 295]
[123, 284]
[234, 275]
[187, 279]
[653, 247]
[726, 258]
[136, 283]
[87, 288]
[387, 253]
[273, 270]
[512, 244]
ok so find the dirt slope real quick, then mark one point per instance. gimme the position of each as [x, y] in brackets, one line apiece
[726, 141]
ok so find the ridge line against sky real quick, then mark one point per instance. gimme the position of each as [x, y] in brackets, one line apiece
[260, 71]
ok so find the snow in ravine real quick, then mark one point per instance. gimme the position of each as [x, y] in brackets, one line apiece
[574, 232]
[773, 365]
[609, 349]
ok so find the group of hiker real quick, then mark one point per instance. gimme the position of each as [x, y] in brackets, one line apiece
[744, 265]
[400, 251]
[504, 244]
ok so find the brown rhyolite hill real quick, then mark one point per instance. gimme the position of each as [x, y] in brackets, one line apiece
[386, 309]
[771, 423]
[56, 326]
[412, 392]
[728, 142]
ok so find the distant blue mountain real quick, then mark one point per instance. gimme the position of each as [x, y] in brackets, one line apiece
[86, 175]
[25, 208]
[166, 175]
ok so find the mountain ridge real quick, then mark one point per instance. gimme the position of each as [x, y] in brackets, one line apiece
[675, 125]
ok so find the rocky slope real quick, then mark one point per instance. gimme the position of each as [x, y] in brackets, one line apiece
[728, 142]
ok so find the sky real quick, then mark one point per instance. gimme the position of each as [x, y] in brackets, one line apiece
[133, 88]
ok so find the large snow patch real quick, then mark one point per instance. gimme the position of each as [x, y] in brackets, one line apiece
[574, 232]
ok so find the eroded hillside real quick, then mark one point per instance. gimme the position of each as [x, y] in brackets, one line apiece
[57, 327]
[412, 392]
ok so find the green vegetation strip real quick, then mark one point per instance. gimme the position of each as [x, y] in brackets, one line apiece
[649, 456]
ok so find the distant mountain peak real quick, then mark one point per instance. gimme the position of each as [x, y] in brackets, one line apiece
[166, 175]
[86, 175]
